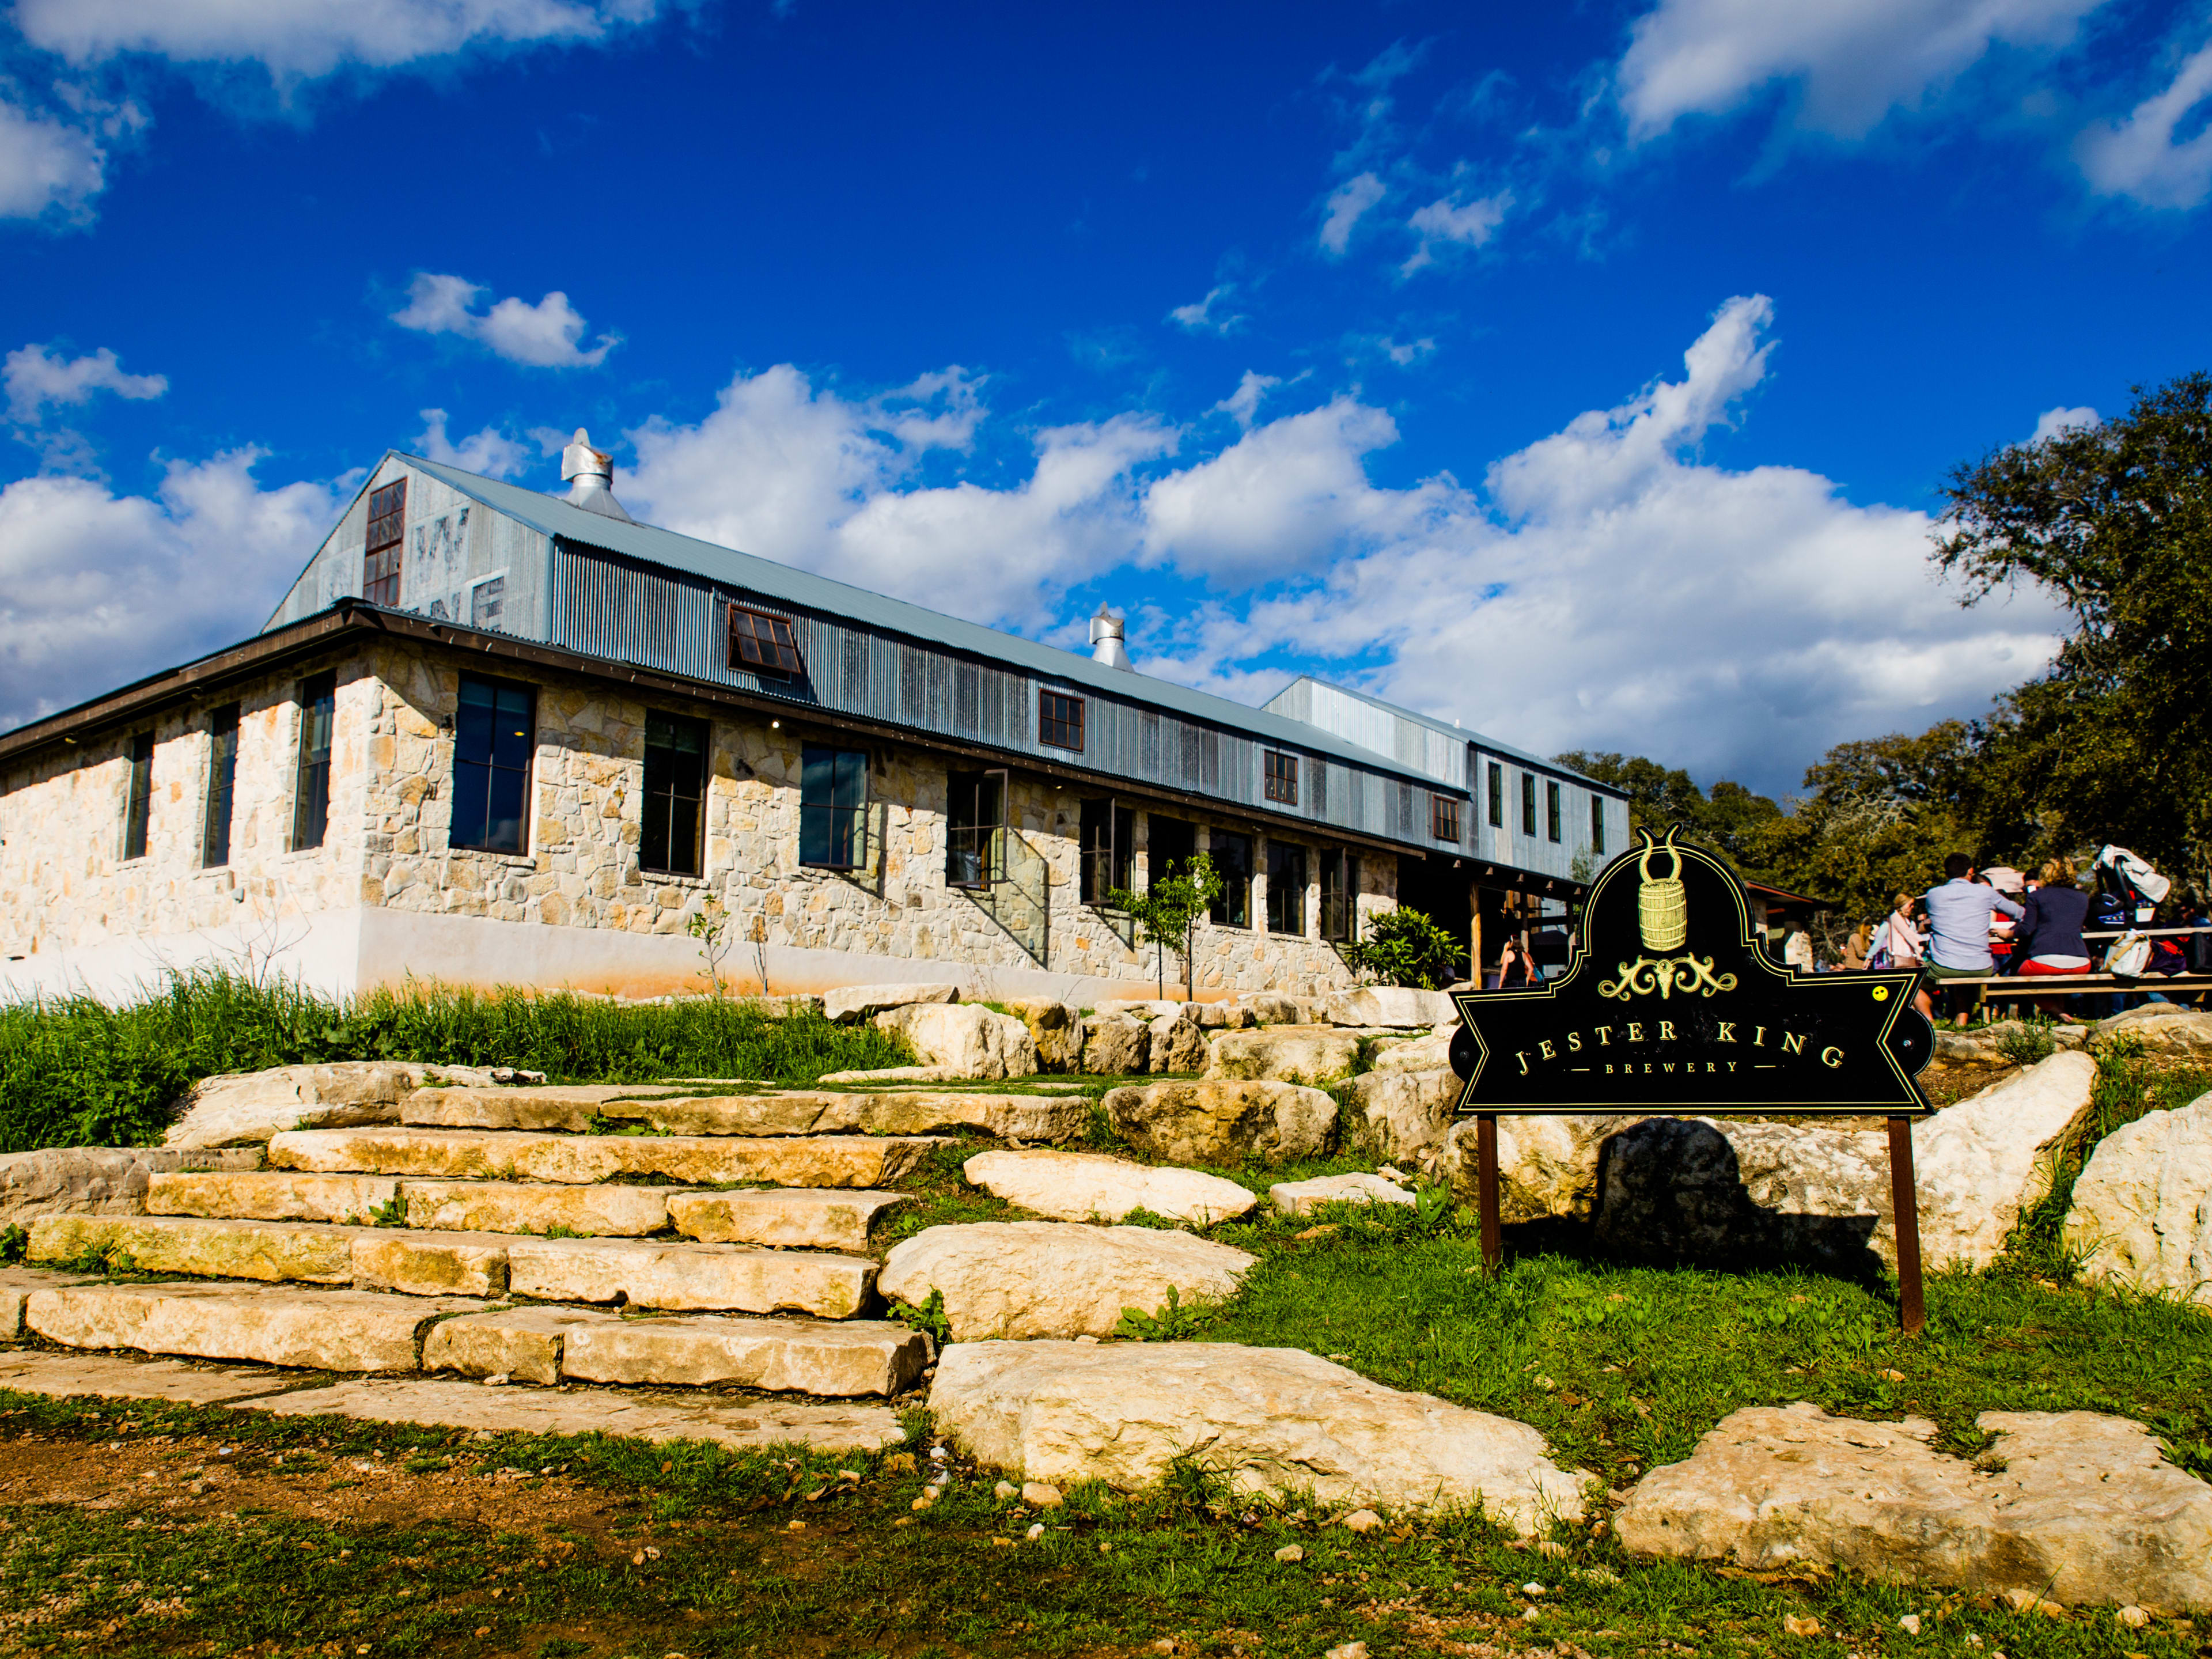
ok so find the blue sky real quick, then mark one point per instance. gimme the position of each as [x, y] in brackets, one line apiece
[1585, 374]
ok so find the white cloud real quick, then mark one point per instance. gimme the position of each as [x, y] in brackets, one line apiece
[96, 588]
[1347, 203]
[1404, 353]
[46, 165]
[2138, 157]
[2052, 421]
[35, 378]
[1242, 405]
[304, 38]
[489, 452]
[1199, 317]
[1851, 61]
[1448, 220]
[542, 336]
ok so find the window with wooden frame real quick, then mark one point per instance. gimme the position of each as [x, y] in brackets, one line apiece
[1232, 862]
[311, 787]
[1597, 824]
[1528, 802]
[1109, 842]
[833, 808]
[1279, 774]
[1286, 888]
[1552, 814]
[1497, 795]
[1340, 897]
[387, 531]
[138, 802]
[764, 643]
[495, 736]
[675, 794]
[221, 786]
[1060, 720]
[1444, 817]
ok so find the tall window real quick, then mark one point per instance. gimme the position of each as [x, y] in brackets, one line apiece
[387, 531]
[972, 821]
[1286, 888]
[1552, 821]
[1597, 824]
[1281, 774]
[1496, 796]
[1169, 845]
[494, 736]
[765, 644]
[1110, 839]
[833, 804]
[675, 785]
[1528, 802]
[311, 787]
[1232, 862]
[1060, 720]
[222, 780]
[138, 803]
[1339, 896]
[1444, 817]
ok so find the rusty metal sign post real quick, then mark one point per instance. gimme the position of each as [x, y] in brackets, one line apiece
[1668, 1006]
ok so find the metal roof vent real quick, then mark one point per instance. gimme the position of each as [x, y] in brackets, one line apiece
[1106, 629]
[593, 473]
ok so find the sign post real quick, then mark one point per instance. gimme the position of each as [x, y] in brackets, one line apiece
[1669, 1005]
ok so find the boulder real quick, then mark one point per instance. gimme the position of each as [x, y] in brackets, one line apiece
[1114, 1045]
[1216, 1122]
[1980, 1164]
[1146, 1009]
[1987, 1045]
[1299, 1197]
[1285, 1054]
[1221, 1015]
[1271, 1007]
[1054, 1278]
[2071, 1505]
[1421, 1054]
[865, 1001]
[1089, 1186]
[784, 1007]
[1275, 1420]
[244, 1108]
[1054, 1028]
[98, 1180]
[1178, 1044]
[2161, 1028]
[1401, 1114]
[1397, 1007]
[2141, 1215]
[897, 1074]
[964, 1040]
[1547, 1167]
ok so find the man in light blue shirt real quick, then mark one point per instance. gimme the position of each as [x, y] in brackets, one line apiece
[1959, 930]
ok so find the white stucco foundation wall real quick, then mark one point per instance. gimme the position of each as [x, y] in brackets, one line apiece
[320, 950]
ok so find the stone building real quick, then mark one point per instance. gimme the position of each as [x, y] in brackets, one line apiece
[497, 736]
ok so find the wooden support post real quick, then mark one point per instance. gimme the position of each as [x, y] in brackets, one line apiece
[1485, 1181]
[1904, 1198]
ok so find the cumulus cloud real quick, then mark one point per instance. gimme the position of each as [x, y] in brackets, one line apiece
[2139, 157]
[544, 336]
[46, 165]
[35, 377]
[97, 589]
[1242, 405]
[1346, 205]
[489, 451]
[1201, 318]
[2052, 421]
[1448, 220]
[1851, 62]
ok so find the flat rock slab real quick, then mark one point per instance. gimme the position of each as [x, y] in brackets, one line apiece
[1092, 1187]
[1219, 1120]
[2075, 1506]
[429, 1264]
[2161, 1029]
[99, 1180]
[325, 1330]
[1396, 1006]
[647, 1273]
[887, 1112]
[750, 1425]
[1285, 1054]
[555, 1106]
[785, 1217]
[579, 1160]
[115, 1376]
[1271, 1419]
[863, 1002]
[1404, 1113]
[1054, 1278]
[273, 1250]
[514, 1206]
[16, 1284]
[272, 1195]
[523, 1345]
[1299, 1197]
[2141, 1214]
[778, 1355]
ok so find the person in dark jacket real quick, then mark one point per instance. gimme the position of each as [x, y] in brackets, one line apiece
[2049, 937]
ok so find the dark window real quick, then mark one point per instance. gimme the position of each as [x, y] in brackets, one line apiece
[1282, 777]
[1060, 720]
[972, 823]
[1232, 862]
[1551, 811]
[1597, 824]
[387, 530]
[222, 782]
[833, 804]
[1169, 845]
[763, 643]
[1286, 888]
[1528, 802]
[138, 805]
[1496, 796]
[675, 787]
[1340, 897]
[311, 787]
[494, 735]
[1444, 817]
[1109, 840]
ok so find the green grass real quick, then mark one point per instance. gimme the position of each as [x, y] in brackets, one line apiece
[74, 1070]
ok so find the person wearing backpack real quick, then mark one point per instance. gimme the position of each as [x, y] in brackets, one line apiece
[2050, 935]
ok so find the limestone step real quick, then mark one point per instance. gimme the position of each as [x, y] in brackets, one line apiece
[781, 1356]
[643, 1272]
[843, 1160]
[788, 1217]
[571, 1108]
[272, 1195]
[785, 1112]
[326, 1330]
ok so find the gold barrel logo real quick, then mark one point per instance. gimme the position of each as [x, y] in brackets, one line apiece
[1662, 909]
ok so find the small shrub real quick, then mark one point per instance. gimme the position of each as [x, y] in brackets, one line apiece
[15, 1244]
[929, 1318]
[2027, 1045]
[1175, 1322]
[1404, 947]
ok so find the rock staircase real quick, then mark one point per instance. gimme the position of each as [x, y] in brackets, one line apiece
[542, 1236]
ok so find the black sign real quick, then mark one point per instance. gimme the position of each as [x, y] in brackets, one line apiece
[1668, 1004]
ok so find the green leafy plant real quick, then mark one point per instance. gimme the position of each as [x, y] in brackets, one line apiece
[929, 1318]
[1167, 912]
[15, 1244]
[1177, 1321]
[710, 925]
[392, 1212]
[1404, 947]
[2027, 1045]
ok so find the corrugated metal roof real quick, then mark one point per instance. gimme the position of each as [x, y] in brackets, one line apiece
[554, 517]
[1490, 745]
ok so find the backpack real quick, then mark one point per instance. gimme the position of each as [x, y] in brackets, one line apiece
[2128, 956]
